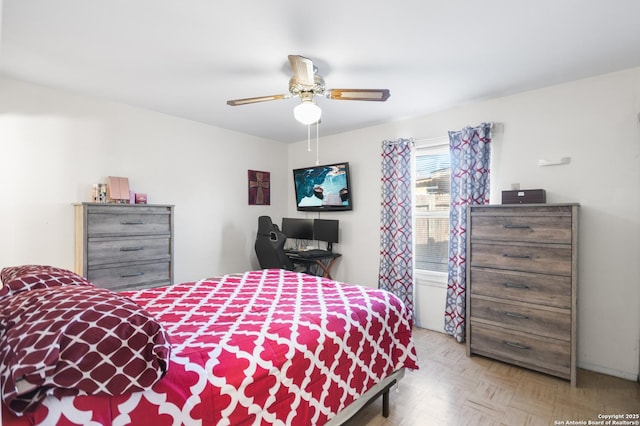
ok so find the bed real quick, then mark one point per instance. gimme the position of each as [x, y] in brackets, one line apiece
[261, 347]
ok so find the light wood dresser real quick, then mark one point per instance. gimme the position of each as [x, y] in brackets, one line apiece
[522, 285]
[124, 246]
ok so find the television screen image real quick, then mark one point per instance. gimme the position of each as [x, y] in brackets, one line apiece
[322, 188]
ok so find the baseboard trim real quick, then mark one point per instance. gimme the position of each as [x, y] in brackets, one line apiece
[609, 371]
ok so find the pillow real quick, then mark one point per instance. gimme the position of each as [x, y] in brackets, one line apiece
[30, 277]
[76, 340]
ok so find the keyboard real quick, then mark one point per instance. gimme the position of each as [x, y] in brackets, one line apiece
[310, 254]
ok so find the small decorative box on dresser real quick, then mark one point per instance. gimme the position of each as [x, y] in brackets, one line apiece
[124, 246]
[522, 285]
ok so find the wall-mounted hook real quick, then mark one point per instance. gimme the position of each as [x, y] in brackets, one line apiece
[562, 161]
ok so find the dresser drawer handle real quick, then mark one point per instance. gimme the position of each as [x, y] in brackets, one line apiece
[515, 345]
[518, 286]
[517, 256]
[131, 222]
[136, 248]
[514, 315]
[136, 274]
[517, 226]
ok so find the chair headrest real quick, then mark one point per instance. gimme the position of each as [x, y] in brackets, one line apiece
[264, 225]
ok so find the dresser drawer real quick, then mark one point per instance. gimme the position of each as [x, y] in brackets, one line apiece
[542, 354]
[543, 229]
[102, 251]
[128, 221]
[551, 290]
[540, 258]
[131, 275]
[549, 322]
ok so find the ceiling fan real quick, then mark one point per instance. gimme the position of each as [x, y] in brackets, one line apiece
[306, 84]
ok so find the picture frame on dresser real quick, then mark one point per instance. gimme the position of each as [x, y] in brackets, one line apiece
[522, 282]
[124, 246]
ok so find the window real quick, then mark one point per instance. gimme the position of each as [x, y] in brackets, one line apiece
[431, 203]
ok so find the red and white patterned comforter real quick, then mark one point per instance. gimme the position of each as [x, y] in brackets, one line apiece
[263, 347]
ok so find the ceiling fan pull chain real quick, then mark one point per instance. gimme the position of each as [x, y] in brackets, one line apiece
[308, 137]
[317, 144]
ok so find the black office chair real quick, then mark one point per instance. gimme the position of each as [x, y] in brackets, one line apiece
[270, 246]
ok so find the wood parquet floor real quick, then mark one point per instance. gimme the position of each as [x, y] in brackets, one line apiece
[453, 389]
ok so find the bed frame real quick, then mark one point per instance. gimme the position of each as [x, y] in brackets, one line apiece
[369, 397]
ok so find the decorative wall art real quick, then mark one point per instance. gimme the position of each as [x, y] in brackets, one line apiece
[259, 188]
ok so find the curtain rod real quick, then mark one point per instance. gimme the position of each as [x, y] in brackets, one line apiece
[437, 138]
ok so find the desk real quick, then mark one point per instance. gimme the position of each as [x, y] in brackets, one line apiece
[317, 265]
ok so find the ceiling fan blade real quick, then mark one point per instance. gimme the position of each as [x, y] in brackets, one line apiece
[302, 69]
[236, 102]
[379, 95]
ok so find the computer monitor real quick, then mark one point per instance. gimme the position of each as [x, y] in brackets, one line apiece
[301, 229]
[326, 230]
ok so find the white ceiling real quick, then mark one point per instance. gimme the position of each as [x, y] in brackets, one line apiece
[186, 58]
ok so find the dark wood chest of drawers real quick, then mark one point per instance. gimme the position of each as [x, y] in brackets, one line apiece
[522, 285]
[124, 246]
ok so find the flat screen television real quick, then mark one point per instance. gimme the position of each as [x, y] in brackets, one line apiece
[323, 188]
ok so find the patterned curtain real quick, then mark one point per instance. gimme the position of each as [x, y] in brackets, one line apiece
[396, 227]
[470, 150]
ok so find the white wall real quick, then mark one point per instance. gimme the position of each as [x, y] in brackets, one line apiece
[54, 146]
[593, 121]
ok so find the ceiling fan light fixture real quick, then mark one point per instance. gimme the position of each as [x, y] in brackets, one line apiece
[307, 112]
